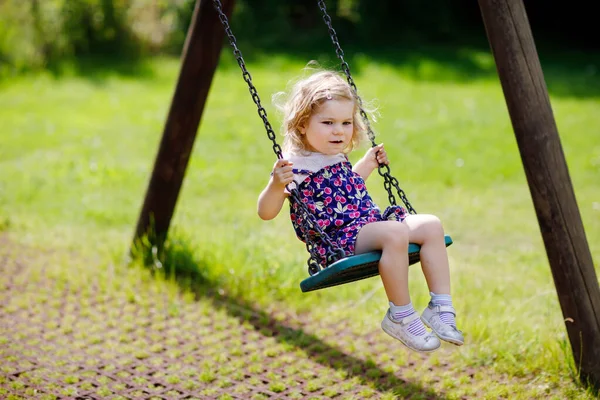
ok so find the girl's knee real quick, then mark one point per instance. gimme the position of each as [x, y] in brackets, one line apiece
[434, 226]
[397, 235]
[435, 221]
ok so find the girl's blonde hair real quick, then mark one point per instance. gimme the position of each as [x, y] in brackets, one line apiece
[305, 97]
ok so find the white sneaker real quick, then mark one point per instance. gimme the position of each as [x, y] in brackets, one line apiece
[431, 318]
[399, 330]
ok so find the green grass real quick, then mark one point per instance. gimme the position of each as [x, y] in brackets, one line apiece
[77, 150]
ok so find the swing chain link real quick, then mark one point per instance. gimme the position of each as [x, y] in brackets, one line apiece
[384, 170]
[334, 252]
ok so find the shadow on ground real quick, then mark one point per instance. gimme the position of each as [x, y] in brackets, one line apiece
[179, 262]
[74, 336]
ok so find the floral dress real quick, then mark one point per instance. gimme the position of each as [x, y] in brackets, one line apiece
[338, 198]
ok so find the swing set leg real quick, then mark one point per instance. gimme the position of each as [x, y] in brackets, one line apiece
[199, 61]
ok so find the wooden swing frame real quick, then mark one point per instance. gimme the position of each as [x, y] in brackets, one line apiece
[522, 80]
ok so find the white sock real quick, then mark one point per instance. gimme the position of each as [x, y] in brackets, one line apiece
[443, 300]
[416, 327]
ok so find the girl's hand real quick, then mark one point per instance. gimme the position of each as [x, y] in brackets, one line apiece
[377, 155]
[282, 173]
[273, 196]
[370, 162]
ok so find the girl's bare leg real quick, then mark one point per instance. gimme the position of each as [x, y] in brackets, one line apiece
[427, 231]
[401, 321]
[439, 315]
[392, 239]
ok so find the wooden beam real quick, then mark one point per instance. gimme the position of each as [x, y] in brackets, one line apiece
[544, 162]
[199, 61]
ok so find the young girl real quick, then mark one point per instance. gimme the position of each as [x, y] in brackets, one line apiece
[322, 124]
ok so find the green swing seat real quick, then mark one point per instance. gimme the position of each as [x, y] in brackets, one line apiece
[354, 268]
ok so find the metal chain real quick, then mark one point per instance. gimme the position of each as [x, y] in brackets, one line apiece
[310, 221]
[384, 170]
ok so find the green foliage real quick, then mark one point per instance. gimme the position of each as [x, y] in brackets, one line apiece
[20, 39]
[36, 34]
[100, 26]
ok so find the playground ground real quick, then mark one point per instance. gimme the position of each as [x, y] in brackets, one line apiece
[61, 340]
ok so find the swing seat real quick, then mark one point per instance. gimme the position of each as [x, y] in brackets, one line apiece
[354, 268]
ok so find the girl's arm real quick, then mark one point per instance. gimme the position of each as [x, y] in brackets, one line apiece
[370, 161]
[273, 196]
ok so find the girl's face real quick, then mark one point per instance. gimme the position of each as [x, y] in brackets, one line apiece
[330, 127]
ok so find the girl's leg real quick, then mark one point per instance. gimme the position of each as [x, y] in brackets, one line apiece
[392, 239]
[427, 231]
[401, 321]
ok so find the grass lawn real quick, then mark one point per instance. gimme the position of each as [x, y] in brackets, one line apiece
[77, 150]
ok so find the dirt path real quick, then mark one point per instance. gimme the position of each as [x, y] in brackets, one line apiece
[60, 341]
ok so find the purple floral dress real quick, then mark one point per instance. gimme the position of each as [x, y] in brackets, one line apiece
[338, 198]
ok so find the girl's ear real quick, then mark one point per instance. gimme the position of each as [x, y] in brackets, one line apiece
[302, 128]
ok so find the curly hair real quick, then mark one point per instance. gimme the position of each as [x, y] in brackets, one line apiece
[305, 97]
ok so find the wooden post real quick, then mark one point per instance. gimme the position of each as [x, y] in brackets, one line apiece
[537, 136]
[200, 58]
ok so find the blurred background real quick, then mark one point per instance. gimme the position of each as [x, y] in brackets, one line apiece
[38, 34]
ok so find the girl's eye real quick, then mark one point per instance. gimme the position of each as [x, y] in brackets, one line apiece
[327, 122]
[347, 123]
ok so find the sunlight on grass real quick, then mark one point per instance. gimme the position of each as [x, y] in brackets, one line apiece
[77, 155]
